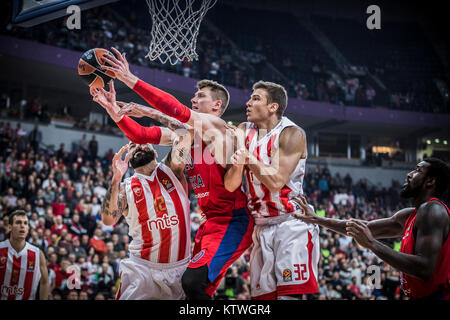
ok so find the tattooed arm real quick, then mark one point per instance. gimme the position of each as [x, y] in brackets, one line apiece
[174, 128]
[115, 202]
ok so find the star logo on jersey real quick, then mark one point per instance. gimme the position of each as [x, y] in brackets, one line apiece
[137, 191]
[287, 275]
[167, 184]
[30, 265]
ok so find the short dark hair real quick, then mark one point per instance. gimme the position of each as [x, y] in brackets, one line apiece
[15, 213]
[439, 170]
[276, 93]
[219, 92]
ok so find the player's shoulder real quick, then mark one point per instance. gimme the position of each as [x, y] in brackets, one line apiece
[4, 243]
[34, 248]
[433, 212]
[247, 125]
[288, 124]
[292, 133]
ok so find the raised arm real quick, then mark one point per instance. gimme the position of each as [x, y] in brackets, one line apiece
[115, 202]
[131, 129]
[174, 127]
[163, 101]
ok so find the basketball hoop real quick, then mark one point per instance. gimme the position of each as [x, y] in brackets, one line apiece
[175, 26]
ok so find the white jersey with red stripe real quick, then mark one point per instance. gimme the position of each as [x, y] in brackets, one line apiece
[158, 216]
[19, 271]
[261, 202]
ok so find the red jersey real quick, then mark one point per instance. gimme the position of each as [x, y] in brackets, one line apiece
[207, 180]
[440, 280]
[19, 272]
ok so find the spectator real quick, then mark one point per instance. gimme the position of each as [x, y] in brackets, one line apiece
[93, 148]
[105, 282]
[58, 206]
[97, 242]
[354, 288]
[58, 226]
[84, 144]
[35, 137]
[76, 248]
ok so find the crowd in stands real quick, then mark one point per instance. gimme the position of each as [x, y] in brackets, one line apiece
[234, 65]
[62, 192]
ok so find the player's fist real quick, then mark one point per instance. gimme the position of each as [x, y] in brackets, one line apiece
[240, 157]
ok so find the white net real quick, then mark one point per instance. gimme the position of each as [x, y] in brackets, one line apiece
[175, 26]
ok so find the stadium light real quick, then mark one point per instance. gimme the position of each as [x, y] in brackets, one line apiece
[428, 141]
[436, 140]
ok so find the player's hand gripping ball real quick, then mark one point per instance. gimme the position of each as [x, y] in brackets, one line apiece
[89, 68]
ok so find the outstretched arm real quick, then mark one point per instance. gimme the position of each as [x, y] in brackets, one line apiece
[129, 127]
[163, 101]
[168, 135]
[157, 98]
[115, 203]
[431, 223]
[391, 227]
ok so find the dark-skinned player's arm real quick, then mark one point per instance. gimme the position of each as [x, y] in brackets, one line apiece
[432, 225]
[115, 203]
[391, 227]
[161, 100]
[132, 130]
[292, 147]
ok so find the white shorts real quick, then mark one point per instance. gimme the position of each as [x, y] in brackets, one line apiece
[144, 280]
[285, 258]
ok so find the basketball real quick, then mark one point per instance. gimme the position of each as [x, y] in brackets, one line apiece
[89, 68]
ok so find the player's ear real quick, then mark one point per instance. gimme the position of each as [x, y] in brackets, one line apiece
[217, 105]
[273, 107]
[430, 182]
